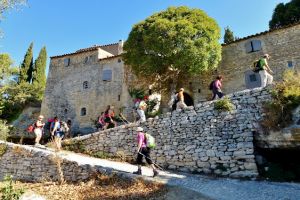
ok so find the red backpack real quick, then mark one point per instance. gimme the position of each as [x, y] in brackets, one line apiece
[30, 128]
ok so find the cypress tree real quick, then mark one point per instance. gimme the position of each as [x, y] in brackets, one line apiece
[27, 66]
[228, 36]
[39, 72]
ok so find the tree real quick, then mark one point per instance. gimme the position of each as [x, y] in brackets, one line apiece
[178, 42]
[9, 4]
[39, 72]
[228, 36]
[27, 66]
[6, 69]
[285, 14]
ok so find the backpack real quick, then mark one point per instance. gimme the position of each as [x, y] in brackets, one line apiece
[211, 85]
[150, 140]
[257, 66]
[30, 128]
[47, 125]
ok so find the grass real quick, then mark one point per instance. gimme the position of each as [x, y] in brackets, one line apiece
[224, 105]
[101, 187]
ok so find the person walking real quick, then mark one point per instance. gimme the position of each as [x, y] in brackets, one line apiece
[109, 117]
[38, 130]
[216, 87]
[141, 111]
[56, 132]
[180, 104]
[264, 70]
[143, 151]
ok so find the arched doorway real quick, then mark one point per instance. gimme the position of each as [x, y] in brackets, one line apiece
[188, 100]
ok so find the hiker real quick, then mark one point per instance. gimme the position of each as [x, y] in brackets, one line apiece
[69, 124]
[173, 101]
[216, 86]
[56, 133]
[262, 67]
[141, 111]
[100, 123]
[109, 117]
[180, 104]
[38, 130]
[143, 151]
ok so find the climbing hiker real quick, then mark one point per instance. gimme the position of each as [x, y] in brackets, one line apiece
[261, 66]
[180, 104]
[143, 151]
[216, 86]
[109, 117]
[100, 122]
[141, 111]
[38, 130]
[56, 133]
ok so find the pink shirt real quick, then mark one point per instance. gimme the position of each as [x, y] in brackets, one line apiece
[218, 84]
[141, 139]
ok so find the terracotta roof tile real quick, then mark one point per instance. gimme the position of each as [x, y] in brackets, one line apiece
[262, 33]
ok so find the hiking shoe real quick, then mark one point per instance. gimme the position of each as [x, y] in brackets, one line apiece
[155, 173]
[138, 172]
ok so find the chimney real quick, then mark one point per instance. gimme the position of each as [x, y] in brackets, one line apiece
[120, 47]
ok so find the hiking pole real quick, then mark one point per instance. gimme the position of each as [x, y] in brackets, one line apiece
[159, 167]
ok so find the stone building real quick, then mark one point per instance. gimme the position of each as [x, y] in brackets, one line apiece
[81, 84]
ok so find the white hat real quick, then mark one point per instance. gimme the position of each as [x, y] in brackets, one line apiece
[139, 129]
[267, 55]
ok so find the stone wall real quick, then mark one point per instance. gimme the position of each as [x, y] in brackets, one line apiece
[32, 164]
[196, 140]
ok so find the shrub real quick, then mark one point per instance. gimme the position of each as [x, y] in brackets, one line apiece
[9, 192]
[4, 130]
[285, 98]
[224, 104]
[3, 148]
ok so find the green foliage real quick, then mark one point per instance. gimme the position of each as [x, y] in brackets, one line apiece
[136, 93]
[3, 148]
[74, 145]
[224, 105]
[27, 66]
[174, 43]
[285, 14]
[285, 98]
[9, 192]
[4, 130]
[228, 36]
[6, 69]
[39, 72]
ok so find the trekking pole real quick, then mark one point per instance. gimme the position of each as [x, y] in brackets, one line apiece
[159, 167]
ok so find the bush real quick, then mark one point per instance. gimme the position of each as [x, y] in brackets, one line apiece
[9, 192]
[285, 98]
[224, 105]
[4, 130]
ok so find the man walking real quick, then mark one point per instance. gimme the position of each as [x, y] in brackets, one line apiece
[180, 96]
[264, 70]
[143, 151]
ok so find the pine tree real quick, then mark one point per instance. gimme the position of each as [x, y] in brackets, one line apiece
[228, 36]
[27, 66]
[39, 72]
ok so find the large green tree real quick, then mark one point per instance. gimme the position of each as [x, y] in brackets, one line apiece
[228, 36]
[26, 67]
[6, 69]
[39, 71]
[178, 42]
[285, 14]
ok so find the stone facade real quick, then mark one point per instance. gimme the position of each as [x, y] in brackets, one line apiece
[196, 140]
[77, 90]
[65, 95]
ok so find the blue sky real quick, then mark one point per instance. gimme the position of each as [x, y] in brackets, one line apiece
[65, 26]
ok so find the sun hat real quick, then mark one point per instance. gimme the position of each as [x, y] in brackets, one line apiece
[139, 129]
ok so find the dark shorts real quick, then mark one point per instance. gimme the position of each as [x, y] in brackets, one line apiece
[59, 134]
[146, 152]
[107, 120]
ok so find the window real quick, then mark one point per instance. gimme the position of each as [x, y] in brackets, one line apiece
[119, 97]
[107, 75]
[252, 78]
[89, 59]
[85, 85]
[290, 64]
[67, 62]
[83, 112]
[66, 111]
[252, 46]
[119, 60]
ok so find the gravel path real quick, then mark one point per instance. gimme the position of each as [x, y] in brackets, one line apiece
[208, 187]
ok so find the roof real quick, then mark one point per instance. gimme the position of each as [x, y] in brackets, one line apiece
[92, 48]
[262, 33]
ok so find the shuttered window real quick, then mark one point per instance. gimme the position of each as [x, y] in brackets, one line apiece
[253, 45]
[107, 75]
[67, 62]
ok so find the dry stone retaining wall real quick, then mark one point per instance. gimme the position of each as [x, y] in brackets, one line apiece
[196, 140]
